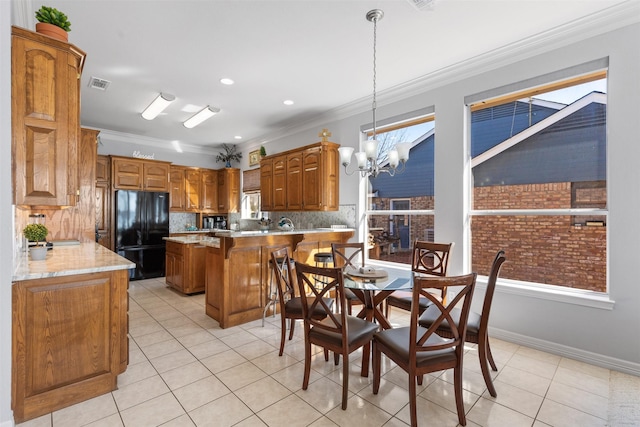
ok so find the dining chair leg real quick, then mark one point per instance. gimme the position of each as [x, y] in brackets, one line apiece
[490, 356]
[482, 355]
[307, 364]
[326, 355]
[345, 379]
[457, 384]
[283, 334]
[366, 355]
[377, 361]
[291, 328]
[413, 412]
[336, 358]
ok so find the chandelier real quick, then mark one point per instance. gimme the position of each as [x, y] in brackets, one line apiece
[368, 162]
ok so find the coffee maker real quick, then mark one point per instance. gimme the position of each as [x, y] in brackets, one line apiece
[218, 222]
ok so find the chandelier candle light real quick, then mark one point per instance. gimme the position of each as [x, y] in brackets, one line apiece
[368, 160]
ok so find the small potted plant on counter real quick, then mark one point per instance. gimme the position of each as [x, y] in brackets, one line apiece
[230, 154]
[36, 233]
[53, 23]
[264, 224]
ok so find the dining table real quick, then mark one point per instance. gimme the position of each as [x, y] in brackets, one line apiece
[372, 286]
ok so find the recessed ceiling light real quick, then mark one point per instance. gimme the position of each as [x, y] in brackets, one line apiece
[237, 137]
[226, 81]
[288, 102]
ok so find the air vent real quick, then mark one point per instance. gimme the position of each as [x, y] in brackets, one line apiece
[423, 4]
[97, 83]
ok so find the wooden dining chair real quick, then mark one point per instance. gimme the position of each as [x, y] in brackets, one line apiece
[418, 350]
[477, 325]
[290, 304]
[348, 255]
[337, 332]
[430, 259]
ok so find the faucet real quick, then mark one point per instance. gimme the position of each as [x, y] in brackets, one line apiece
[285, 224]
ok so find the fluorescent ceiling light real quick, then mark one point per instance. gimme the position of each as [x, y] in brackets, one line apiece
[201, 116]
[161, 102]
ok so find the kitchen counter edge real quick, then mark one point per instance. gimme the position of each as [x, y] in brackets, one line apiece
[70, 260]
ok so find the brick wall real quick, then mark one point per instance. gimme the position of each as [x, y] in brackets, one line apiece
[541, 249]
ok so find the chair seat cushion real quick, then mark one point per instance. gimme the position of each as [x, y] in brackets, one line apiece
[403, 300]
[359, 332]
[293, 308]
[432, 313]
[397, 340]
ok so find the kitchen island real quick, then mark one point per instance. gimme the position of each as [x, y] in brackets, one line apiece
[70, 326]
[237, 268]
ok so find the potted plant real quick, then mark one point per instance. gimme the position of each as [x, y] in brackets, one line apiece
[36, 233]
[263, 151]
[230, 154]
[53, 23]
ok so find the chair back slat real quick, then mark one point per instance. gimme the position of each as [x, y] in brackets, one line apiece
[285, 278]
[491, 288]
[431, 258]
[347, 254]
[319, 293]
[423, 340]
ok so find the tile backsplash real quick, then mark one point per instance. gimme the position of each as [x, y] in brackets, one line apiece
[345, 215]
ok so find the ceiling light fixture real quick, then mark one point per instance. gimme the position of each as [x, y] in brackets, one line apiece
[226, 81]
[288, 102]
[204, 114]
[368, 161]
[158, 105]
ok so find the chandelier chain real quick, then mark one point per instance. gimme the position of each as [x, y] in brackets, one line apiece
[374, 104]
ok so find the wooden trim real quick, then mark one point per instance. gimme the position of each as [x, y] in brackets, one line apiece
[402, 125]
[598, 75]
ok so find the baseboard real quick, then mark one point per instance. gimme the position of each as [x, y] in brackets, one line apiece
[570, 352]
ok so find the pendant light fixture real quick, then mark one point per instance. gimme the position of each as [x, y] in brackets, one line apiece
[368, 159]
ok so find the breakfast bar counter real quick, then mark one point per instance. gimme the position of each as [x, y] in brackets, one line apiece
[237, 268]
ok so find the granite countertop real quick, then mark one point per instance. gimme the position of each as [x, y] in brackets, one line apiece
[69, 260]
[195, 239]
[253, 233]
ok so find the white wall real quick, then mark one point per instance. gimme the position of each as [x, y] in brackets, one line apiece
[6, 215]
[595, 335]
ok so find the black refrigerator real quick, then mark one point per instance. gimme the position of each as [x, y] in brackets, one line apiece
[142, 220]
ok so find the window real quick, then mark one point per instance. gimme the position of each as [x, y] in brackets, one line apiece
[539, 183]
[400, 208]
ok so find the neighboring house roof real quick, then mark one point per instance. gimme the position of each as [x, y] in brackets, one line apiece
[518, 143]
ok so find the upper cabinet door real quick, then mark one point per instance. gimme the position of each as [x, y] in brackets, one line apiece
[127, 173]
[176, 189]
[266, 185]
[192, 189]
[156, 176]
[45, 119]
[209, 191]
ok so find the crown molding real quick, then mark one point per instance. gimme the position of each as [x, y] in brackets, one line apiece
[128, 138]
[613, 18]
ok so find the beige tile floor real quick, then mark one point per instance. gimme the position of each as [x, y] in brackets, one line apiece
[184, 370]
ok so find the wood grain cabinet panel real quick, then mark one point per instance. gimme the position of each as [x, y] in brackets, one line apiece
[45, 79]
[185, 267]
[176, 189]
[305, 179]
[69, 340]
[266, 185]
[192, 181]
[136, 174]
[228, 190]
[209, 191]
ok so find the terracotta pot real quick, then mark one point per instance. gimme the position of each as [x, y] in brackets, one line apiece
[52, 31]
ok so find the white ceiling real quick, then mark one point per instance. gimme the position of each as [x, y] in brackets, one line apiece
[319, 53]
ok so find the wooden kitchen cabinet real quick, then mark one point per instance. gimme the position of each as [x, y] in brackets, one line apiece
[176, 189]
[137, 174]
[304, 179]
[294, 192]
[45, 92]
[69, 340]
[229, 190]
[266, 185]
[192, 181]
[280, 183]
[209, 191]
[185, 266]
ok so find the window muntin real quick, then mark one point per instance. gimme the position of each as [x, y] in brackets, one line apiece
[400, 208]
[539, 185]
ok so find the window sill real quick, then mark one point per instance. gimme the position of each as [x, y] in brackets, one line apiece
[551, 293]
